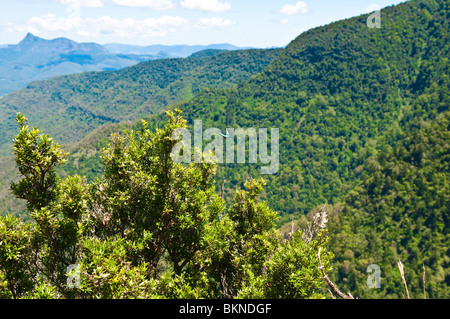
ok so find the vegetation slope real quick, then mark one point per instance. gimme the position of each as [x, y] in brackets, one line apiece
[363, 120]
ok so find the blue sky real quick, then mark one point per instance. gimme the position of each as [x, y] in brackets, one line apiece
[255, 23]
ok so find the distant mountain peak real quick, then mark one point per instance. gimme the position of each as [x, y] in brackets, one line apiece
[31, 36]
[58, 45]
[29, 39]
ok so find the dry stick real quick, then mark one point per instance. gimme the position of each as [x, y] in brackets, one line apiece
[222, 188]
[332, 296]
[328, 281]
[292, 225]
[400, 267]
[424, 282]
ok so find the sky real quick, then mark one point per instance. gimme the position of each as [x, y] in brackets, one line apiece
[245, 23]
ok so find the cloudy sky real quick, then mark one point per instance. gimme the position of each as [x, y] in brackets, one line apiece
[256, 23]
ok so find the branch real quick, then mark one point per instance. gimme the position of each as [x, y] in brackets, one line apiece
[424, 282]
[222, 188]
[402, 273]
[328, 281]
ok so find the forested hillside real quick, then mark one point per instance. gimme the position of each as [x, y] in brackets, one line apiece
[400, 211]
[69, 107]
[357, 104]
[364, 130]
[333, 93]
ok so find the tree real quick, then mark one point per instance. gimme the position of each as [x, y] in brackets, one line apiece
[15, 277]
[148, 228]
[36, 157]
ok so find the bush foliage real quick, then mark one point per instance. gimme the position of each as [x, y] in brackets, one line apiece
[147, 228]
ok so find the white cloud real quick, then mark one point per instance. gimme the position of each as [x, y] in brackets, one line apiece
[206, 5]
[299, 7]
[110, 26]
[82, 3]
[154, 4]
[284, 21]
[152, 27]
[106, 25]
[214, 22]
[50, 22]
[71, 3]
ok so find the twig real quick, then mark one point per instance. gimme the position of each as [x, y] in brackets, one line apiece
[222, 188]
[328, 281]
[332, 296]
[424, 282]
[400, 267]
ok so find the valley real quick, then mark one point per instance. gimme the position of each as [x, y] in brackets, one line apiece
[363, 123]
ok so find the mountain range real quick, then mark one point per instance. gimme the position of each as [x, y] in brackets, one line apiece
[35, 58]
[167, 51]
[364, 127]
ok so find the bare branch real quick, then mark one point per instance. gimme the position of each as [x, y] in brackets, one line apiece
[328, 281]
[424, 282]
[402, 273]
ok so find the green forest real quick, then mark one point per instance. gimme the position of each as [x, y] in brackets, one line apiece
[363, 179]
[71, 106]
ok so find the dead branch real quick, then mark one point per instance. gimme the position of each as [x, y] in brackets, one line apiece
[402, 273]
[424, 282]
[330, 284]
